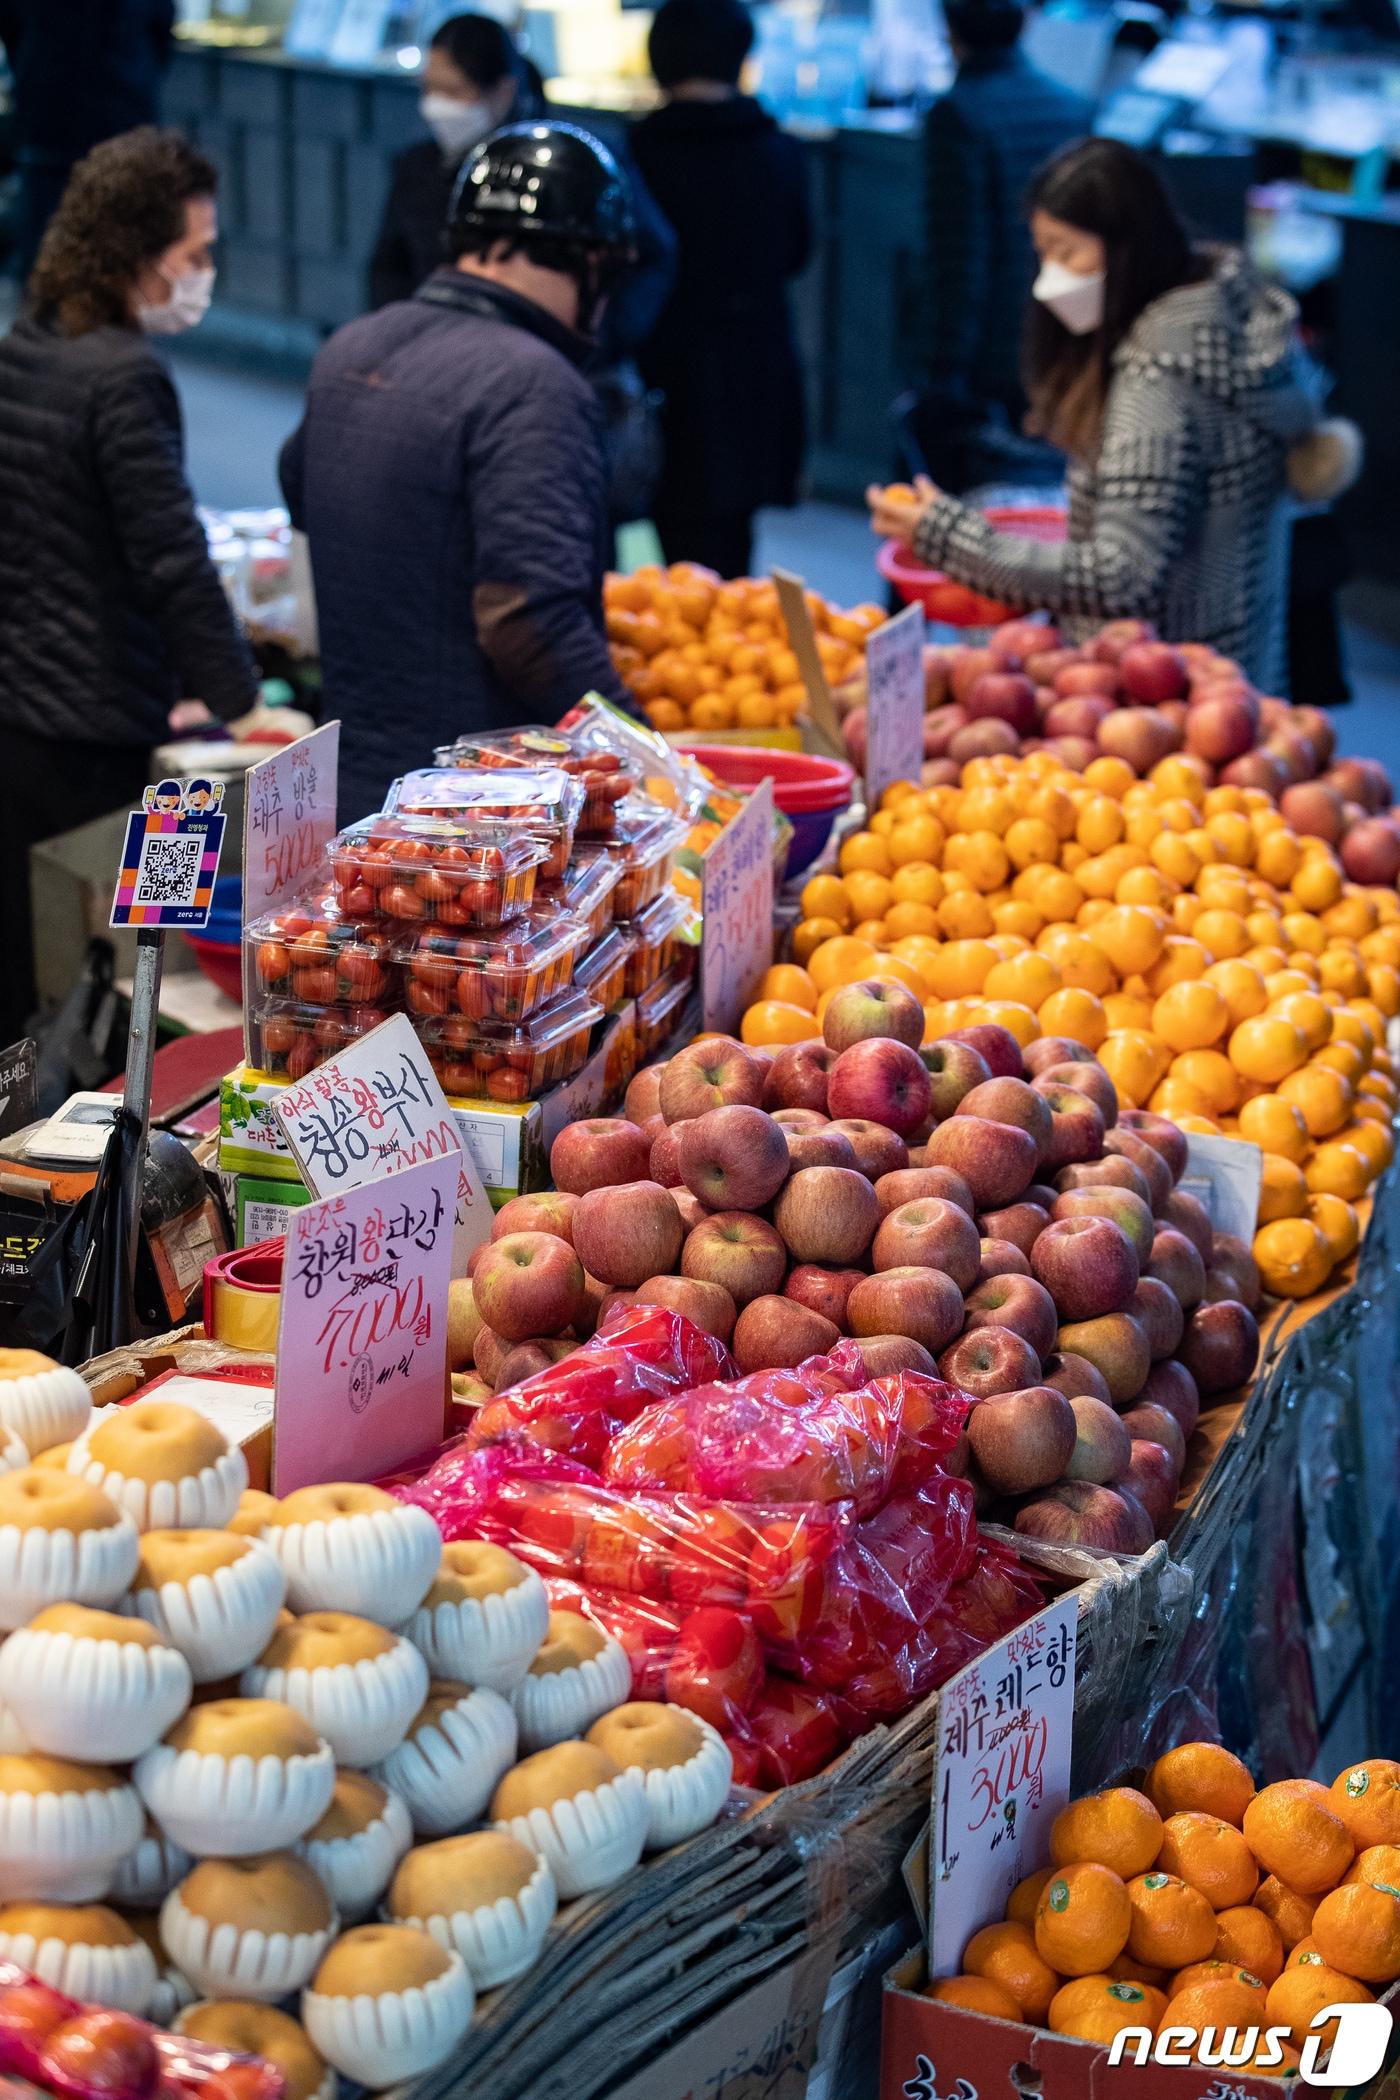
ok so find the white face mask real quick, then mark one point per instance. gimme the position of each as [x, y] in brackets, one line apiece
[457, 126]
[1073, 297]
[186, 307]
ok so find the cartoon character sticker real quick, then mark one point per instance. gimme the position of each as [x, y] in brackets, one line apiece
[176, 798]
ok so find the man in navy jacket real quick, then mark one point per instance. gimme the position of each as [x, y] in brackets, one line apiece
[449, 472]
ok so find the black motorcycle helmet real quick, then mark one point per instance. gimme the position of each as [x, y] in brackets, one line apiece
[554, 192]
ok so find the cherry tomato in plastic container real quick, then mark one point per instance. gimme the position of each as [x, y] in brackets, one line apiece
[538, 801]
[434, 870]
[504, 1061]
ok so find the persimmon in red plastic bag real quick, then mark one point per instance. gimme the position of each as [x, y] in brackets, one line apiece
[796, 1730]
[640, 1354]
[646, 1630]
[88, 2052]
[761, 1440]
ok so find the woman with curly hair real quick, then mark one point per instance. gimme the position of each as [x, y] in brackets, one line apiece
[111, 612]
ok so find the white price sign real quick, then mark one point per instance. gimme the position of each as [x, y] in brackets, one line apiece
[894, 720]
[737, 901]
[1000, 1777]
[1225, 1174]
[288, 819]
[379, 1109]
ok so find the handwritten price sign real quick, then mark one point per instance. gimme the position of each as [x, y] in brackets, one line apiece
[736, 945]
[288, 819]
[1000, 1778]
[378, 1109]
[362, 1335]
[894, 676]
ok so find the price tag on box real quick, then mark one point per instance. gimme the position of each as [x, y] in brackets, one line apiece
[736, 944]
[1000, 1776]
[362, 1331]
[289, 804]
[375, 1110]
[894, 721]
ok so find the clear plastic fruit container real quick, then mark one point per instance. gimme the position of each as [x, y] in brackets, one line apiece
[501, 976]
[656, 936]
[586, 890]
[290, 1037]
[659, 1010]
[606, 777]
[310, 952]
[602, 971]
[542, 801]
[435, 871]
[496, 1061]
[645, 848]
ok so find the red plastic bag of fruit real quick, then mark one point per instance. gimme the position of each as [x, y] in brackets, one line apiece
[799, 1436]
[460, 1488]
[643, 1353]
[646, 1629]
[88, 2052]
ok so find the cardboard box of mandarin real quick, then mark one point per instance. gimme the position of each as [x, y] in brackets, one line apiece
[1001, 1775]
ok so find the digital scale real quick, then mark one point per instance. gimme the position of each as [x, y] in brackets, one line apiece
[77, 1135]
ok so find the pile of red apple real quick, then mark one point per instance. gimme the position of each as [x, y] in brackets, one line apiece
[1126, 695]
[953, 1208]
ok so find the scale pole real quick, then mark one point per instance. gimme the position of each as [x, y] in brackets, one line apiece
[140, 1066]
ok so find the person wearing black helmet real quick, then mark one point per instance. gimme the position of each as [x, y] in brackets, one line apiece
[448, 469]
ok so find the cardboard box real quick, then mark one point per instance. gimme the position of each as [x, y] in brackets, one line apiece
[939, 2052]
[233, 1391]
[759, 2047]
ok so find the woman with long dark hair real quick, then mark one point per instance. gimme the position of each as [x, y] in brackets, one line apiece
[1173, 380]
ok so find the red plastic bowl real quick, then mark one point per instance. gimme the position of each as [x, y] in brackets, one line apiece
[954, 604]
[221, 962]
[809, 791]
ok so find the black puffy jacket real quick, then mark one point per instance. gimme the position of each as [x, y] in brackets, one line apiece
[449, 475]
[110, 608]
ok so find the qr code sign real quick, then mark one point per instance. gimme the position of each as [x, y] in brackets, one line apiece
[169, 870]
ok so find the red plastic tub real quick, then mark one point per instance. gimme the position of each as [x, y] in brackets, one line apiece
[954, 604]
[811, 792]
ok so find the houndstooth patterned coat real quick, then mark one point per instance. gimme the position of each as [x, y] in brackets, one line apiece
[1183, 518]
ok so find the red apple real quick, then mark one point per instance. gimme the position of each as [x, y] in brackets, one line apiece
[988, 1361]
[911, 1184]
[1113, 1171]
[827, 1215]
[1074, 752]
[1158, 1312]
[664, 1158]
[528, 1284]
[1022, 1440]
[1221, 1346]
[872, 1006]
[1362, 780]
[1232, 1258]
[824, 1291]
[1079, 1514]
[1113, 641]
[551, 1210]
[643, 1096]
[1076, 1125]
[954, 1069]
[995, 1045]
[690, 1209]
[1152, 672]
[1050, 1050]
[985, 739]
[1075, 1377]
[797, 1077]
[966, 667]
[1153, 1478]
[1176, 1263]
[464, 1322]
[1082, 1076]
[878, 1151]
[921, 1303]
[1126, 1144]
[1220, 726]
[1160, 1133]
[1077, 680]
[526, 1359]
[707, 1306]
[1133, 1213]
[1103, 1448]
[1116, 1346]
[1007, 696]
[625, 1235]
[1012, 1101]
[828, 1147]
[1022, 1223]
[778, 1331]
[1170, 1386]
[1260, 768]
[929, 1233]
[1078, 716]
[1294, 753]
[1156, 1425]
[1371, 852]
[744, 1254]
[1020, 639]
[716, 1670]
[733, 1158]
[885, 1354]
[1088, 1265]
[941, 727]
[711, 1074]
[600, 1153]
[1000, 1258]
[1140, 736]
[996, 1160]
[801, 1118]
[1019, 1303]
[882, 1080]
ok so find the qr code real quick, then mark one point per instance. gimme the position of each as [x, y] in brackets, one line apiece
[169, 870]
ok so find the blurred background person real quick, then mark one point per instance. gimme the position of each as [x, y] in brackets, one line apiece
[449, 471]
[111, 612]
[983, 142]
[83, 71]
[475, 80]
[1174, 381]
[723, 355]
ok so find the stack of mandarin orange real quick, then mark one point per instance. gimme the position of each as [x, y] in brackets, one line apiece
[1200, 1903]
[1224, 970]
[704, 655]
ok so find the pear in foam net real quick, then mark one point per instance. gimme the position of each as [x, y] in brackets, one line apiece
[578, 1808]
[213, 1595]
[356, 1683]
[75, 1677]
[61, 1542]
[685, 1765]
[484, 1618]
[41, 1402]
[248, 1928]
[163, 1464]
[578, 1673]
[83, 1949]
[65, 1827]
[445, 1769]
[261, 2030]
[388, 2004]
[348, 1547]
[237, 1776]
[148, 1874]
[358, 1843]
[485, 1895]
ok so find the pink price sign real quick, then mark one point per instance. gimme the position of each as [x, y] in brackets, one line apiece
[736, 898]
[289, 804]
